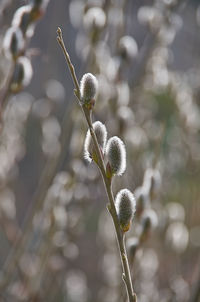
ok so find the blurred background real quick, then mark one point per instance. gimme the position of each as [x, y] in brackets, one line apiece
[57, 241]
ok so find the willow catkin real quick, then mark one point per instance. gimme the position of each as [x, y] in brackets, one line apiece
[125, 206]
[88, 87]
[101, 134]
[116, 155]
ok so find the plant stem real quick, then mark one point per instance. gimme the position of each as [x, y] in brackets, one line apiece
[126, 276]
[107, 182]
[69, 63]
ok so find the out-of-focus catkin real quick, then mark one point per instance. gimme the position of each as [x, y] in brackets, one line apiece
[22, 74]
[13, 43]
[128, 48]
[23, 20]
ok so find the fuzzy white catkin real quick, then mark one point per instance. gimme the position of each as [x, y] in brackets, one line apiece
[88, 87]
[22, 74]
[94, 17]
[125, 206]
[13, 43]
[149, 220]
[116, 155]
[128, 47]
[23, 19]
[101, 134]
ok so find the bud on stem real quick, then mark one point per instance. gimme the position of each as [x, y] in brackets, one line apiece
[116, 155]
[89, 149]
[88, 90]
[125, 207]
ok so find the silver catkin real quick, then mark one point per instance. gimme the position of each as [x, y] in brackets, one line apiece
[101, 134]
[116, 155]
[125, 206]
[88, 87]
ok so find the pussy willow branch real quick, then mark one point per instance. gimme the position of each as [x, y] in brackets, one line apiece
[108, 185]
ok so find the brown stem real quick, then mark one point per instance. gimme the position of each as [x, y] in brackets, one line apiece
[69, 63]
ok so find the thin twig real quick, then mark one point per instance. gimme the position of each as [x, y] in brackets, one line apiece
[107, 182]
[69, 63]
